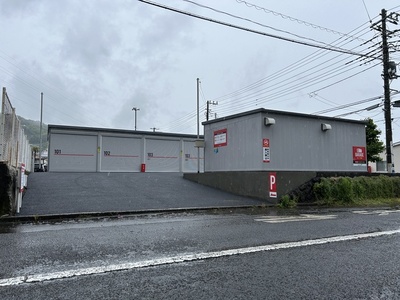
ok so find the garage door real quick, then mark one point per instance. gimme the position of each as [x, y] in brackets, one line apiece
[119, 154]
[162, 155]
[72, 153]
[190, 157]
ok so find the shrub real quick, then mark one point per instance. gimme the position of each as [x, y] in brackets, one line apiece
[344, 190]
[287, 202]
[347, 190]
[322, 190]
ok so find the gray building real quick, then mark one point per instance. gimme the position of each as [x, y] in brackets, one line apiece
[84, 149]
[268, 140]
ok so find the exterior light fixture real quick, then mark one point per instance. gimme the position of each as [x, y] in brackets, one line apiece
[269, 121]
[325, 127]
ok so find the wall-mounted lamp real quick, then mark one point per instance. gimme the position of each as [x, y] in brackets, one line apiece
[269, 121]
[325, 127]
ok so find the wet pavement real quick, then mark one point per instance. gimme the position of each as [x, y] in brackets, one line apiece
[75, 193]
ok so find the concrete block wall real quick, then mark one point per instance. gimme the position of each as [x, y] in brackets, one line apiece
[257, 184]
[253, 184]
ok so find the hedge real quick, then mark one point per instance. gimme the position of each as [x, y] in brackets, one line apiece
[347, 189]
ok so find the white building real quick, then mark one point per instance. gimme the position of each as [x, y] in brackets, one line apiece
[84, 149]
[381, 166]
[263, 140]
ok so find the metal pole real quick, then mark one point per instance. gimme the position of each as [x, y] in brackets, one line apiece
[208, 110]
[41, 121]
[135, 109]
[135, 119]
[198, 124]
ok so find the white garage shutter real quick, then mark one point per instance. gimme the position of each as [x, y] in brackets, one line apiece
[120, 154]
[162, 155]
[72, 153]
[190, 157]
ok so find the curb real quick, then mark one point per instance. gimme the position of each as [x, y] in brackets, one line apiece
[118, 214]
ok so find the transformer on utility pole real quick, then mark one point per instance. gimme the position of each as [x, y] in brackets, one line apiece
[208, 108]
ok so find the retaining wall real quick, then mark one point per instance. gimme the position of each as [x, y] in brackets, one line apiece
[257, 184]
[8, 185]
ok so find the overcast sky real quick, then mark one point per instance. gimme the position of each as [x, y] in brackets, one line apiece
[96, 60]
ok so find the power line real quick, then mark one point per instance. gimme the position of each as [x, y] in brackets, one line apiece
[254, 31]
[254, 22]
[313, 57]
[296, 20]
[366, 9]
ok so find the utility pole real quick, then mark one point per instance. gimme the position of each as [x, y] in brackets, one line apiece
[389, 73]
[40, 131]
[386, 87]
[198, 124]
[208, 108]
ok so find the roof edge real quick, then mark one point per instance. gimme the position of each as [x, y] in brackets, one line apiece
[279, 112]
[126, 131]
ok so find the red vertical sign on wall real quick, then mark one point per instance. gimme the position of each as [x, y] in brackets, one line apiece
[359, 156]
[272, 185]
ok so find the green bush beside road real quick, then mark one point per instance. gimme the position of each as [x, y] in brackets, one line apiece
[379, 190]
[362, 190]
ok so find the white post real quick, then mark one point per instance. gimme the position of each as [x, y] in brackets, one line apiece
[41, 120]
[198, 125]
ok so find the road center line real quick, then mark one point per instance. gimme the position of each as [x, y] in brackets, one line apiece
[186, 258]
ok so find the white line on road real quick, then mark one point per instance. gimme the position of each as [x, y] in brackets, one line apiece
[375, 212]
[186, 258]
[301, 217]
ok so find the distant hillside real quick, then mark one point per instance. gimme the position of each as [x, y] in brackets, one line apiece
[32, 131]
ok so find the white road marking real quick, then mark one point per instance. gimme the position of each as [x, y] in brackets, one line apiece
[301, 217]
[186, 258]
[375, 212]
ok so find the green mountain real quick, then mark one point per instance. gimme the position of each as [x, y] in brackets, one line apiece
[32, 131]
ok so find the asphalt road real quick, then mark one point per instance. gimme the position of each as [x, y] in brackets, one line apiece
[68, 193]
[268, 254]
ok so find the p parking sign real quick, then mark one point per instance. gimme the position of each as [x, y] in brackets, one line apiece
[272, 185]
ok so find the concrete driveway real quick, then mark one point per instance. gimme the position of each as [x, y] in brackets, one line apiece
[71, 193]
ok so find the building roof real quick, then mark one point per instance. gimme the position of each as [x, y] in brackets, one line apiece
[125, 131]
[286, 113]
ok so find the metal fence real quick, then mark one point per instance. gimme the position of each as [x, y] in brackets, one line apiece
[15, 149]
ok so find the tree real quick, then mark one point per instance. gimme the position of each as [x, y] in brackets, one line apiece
[374, 145]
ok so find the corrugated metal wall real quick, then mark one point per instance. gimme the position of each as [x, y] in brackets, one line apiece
[73, 153]
[120, 154]
[162, 155]
[294, 143]
[91, 150]
[242, 150]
